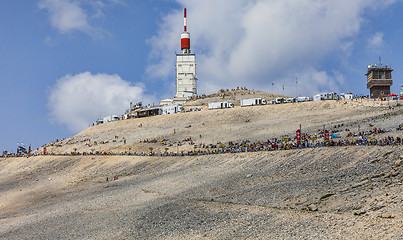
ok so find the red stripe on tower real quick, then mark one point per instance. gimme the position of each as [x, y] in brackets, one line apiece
[185, 42]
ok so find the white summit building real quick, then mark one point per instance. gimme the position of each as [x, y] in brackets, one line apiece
[185, 76]
[185, 69]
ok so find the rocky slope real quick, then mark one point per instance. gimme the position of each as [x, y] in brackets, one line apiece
[349, 192]
[257, 123]
[325, 193]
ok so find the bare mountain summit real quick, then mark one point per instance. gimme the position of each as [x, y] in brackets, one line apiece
[352, 191]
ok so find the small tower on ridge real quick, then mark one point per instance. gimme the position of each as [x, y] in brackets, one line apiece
[379, 80]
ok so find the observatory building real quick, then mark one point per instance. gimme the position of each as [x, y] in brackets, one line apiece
[185, 69]
[379, 80]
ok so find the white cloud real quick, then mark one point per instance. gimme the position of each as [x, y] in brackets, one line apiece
[74, 15]
[78, 100]
[252, 43]
[66, 15]
[376, 41]
[307, 83]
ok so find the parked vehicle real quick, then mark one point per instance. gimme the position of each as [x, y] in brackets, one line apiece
[346, 96]
[149, 112]
[195, 109]
[326, 96]
[220, 105]
[172, 109]
[253, 102]
[280, 100]
[128, 116]
[303, 99]
[110, 118]
[99, 121]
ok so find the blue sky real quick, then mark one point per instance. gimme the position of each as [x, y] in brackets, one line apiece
[65, 63]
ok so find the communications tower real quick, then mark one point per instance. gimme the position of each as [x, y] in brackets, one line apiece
[185, 69]
[379, 80]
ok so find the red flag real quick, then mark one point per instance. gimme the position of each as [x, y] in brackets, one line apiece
[326, 136]
[298, 134]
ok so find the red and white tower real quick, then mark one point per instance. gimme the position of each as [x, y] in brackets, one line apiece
[185, 36]
[185, 68]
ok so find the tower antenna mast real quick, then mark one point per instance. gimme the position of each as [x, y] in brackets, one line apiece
[185, 36]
